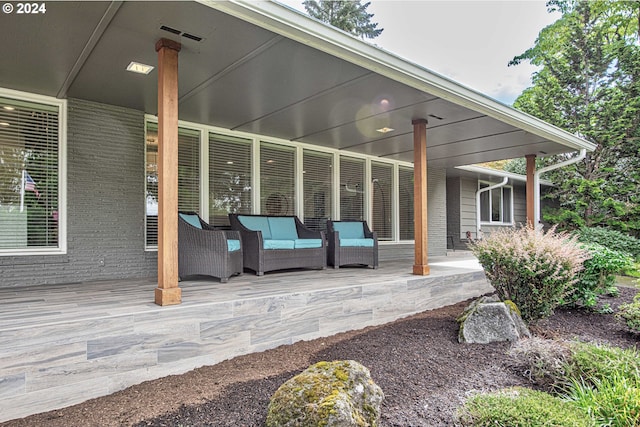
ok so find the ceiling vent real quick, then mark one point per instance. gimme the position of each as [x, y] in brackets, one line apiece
[181, 33]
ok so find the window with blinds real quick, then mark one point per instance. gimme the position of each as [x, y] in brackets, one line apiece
[230, 186]
[317, 180]
[188, 176]
[405, 200]
[277, 179]
[29, 180]
[352, 188]
[381, 190]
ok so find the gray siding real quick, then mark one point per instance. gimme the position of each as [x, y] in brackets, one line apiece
[437, 211]
[519, 205]
[468, 188]
[453, 209]
[105, 203]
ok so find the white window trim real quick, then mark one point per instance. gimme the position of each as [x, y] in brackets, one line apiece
[498, 223]
[61, 104]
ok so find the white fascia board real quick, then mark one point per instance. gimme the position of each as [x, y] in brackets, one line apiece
[299, 27]
[499, 174]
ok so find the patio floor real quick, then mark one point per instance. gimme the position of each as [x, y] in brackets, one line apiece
[63, 344]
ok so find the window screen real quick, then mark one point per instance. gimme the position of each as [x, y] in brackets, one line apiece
[29, 181]
[381, 189]
[230, 185]
[188, 176]
[405, 199]
[277, 179]
[318, 190]
[351, 188]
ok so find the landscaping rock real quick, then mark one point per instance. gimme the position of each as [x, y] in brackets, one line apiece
[332, 394]
[489, 320]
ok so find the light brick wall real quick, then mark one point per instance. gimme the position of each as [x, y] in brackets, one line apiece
[105, 202]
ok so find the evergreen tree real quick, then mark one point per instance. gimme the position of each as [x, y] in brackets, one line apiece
[589, 84]
[349, 16]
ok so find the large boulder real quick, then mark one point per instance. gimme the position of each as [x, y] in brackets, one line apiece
[487, 319]
[332, 394]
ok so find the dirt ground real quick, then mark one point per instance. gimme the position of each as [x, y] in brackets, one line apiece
[419, 364]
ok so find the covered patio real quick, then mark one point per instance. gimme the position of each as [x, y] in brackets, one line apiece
[84, 340]
[77, 278]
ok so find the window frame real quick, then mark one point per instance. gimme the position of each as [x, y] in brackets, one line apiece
[502, 206]
[61, 105]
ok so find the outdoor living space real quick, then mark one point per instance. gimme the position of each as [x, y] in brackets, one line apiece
[83, 340]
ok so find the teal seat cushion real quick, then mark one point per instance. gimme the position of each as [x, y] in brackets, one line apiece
[192, 220]
[361, 243]
[308, 243]
[256, 223]
[233, 245]
[278, 244]
[283, 228]
[349, 230]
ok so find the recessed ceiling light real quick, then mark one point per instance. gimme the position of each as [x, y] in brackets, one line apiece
[385, 130]
[9, 107]
[137, 67]
[4, 124]
[229, 162]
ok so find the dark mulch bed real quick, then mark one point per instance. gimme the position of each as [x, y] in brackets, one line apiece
[422, 369]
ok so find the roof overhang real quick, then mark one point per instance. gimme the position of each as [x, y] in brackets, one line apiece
[263, 68]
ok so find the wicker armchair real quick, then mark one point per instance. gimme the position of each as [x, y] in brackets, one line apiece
[351, 242]
[206, 251]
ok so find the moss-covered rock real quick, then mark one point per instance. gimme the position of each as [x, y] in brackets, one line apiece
[331, 394]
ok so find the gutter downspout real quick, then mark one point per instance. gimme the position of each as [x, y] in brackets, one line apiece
[536, 182]
[504, 182]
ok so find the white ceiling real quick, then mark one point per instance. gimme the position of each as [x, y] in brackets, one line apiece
[244, 77]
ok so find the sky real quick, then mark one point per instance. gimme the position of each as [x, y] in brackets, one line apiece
[468, 41]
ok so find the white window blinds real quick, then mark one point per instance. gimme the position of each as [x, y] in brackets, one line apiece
[277, 179]
[317, 179]
[188, 176]
[405, 200]
[29, 181]
[229, 177]
[381, 189]
[352, 188]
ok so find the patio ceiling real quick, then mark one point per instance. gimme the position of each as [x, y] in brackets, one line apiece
[266, 69]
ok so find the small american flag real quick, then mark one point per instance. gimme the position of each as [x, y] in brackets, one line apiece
[30, 184]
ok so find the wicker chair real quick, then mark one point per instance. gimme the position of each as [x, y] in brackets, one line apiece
[206, 251]
[357, 244]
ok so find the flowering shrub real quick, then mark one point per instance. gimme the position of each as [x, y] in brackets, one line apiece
[597, 277]
[534, 269]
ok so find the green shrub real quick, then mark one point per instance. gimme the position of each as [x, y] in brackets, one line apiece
[521, 407]
[533, 269]
[611, 401]
[590, 361]
[630, 313]
[612, 239]
[597, 276]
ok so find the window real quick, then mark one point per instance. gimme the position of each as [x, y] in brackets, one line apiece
[352, 188]
[188, 176]
[30, 148]
[496, 205]
[277, 179]
[381, 189]
[405, 199]
[318, 188]
[229, 177]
